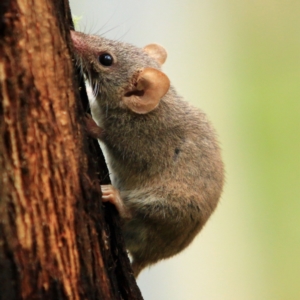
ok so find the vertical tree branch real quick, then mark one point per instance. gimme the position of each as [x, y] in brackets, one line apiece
[54, 240]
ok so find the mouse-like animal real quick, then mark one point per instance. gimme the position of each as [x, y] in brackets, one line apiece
[167, 170]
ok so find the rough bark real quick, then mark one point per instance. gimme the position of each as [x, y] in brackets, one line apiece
[56, 241]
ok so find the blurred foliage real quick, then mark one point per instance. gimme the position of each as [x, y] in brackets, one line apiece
[76, 21]
[268, 84]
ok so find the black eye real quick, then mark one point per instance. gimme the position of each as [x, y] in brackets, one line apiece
[106, 59]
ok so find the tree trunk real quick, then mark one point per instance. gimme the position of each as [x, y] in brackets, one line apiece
[56, 240]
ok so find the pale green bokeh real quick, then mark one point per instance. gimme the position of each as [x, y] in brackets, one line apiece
[76, 21]
[239, 61]
[268, 83]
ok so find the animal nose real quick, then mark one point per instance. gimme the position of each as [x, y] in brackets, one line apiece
[77, 40]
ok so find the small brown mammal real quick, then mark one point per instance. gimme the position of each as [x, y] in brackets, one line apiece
[162, 152]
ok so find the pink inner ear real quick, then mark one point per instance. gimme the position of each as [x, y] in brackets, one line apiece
[150, 86]
[135, 93]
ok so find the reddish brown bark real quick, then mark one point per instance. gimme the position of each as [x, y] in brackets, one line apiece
[55, 240]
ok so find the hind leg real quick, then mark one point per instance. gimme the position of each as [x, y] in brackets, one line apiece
[112, 195]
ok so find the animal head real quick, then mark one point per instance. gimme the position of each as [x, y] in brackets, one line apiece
[127, 76]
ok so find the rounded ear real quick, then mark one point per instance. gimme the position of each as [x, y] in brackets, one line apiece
[157, 52]
[150, 86]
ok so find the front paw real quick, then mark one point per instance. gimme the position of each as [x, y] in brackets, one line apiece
[93, 130]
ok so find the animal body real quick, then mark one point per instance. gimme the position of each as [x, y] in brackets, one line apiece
[162, 152]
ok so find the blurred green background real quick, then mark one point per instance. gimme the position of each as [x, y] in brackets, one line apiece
[239, 61]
